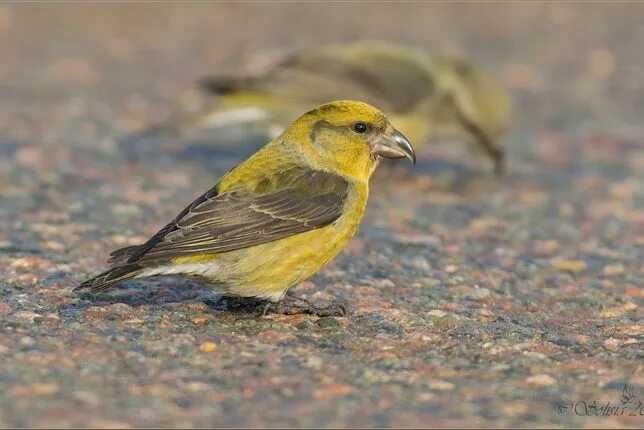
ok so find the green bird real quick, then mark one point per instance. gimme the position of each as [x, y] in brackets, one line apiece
[422, 95]
[278, 217]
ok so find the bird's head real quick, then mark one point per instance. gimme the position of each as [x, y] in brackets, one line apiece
[349, 138]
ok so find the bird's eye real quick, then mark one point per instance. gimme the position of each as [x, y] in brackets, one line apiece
[360, 127]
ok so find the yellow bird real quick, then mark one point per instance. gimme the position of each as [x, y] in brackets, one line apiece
[279, 216]
[421, 95]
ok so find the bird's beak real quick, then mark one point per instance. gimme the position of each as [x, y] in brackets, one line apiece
[394, 145]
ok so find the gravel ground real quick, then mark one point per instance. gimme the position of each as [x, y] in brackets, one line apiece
[476, 301]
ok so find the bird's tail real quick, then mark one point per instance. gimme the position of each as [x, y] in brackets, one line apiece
[172, 126]
[110, 277]
[230, 108]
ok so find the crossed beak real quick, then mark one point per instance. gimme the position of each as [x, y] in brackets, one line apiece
[393, 145]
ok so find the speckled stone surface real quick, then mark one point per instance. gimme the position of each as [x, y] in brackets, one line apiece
[475, 301]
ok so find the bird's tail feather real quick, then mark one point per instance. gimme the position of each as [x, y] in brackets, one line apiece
[240, 113]
[238, 103]
[172, 126]
[110, 277]
[120, 256]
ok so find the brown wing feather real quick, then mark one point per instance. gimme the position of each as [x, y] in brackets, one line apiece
[121, 255]
[395, 83]
[380, 76]
[236, 220]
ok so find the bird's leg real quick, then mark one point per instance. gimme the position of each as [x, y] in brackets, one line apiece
[485, 141]
[288, 305]
[499, 162]
[234, 303]
[495, 153]
[291, 305]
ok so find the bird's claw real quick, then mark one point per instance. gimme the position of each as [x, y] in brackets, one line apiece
[290, 305]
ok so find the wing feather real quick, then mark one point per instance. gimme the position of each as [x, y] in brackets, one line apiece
[217, 223]
[390, 77]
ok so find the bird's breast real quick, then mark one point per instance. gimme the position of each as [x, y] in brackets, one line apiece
[268, 270]
[354, 207]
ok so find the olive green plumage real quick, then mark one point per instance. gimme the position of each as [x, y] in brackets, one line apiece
[279, 216]
[422, 95]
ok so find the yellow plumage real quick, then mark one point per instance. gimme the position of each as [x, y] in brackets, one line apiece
[279, 216]
[268, 270]
[422, 96]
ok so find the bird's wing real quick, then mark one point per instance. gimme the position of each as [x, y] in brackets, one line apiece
[389, 78]
[217, 223]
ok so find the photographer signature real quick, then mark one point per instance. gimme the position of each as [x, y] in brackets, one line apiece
[629, 405]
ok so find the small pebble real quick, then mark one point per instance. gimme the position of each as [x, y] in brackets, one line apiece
[37, 389]
[304, 325]
[611, 313]
[545, 248]
[613, 269]
[27, 316]
[4, 308]
[480, 293]
[573, 266]
[447, 322]
[328, 323]
[207, 347]
[612, 343]
[200, 320]
[419, 263]
[441, 385]
[540, 380]
[629, 306]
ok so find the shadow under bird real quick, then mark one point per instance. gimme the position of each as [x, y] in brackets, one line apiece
[276, 218]
[422, 95]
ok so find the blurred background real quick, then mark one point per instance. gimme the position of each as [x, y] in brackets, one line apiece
[557, 58]
[480, 301]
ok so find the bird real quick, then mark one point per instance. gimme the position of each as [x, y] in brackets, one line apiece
[422, 95]
[276, 218]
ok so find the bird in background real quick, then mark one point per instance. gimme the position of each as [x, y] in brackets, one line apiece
[276, 218]
[422, 95]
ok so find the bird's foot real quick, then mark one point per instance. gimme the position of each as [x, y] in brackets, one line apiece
[291, 305]
[288, 305]
[233, 303]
